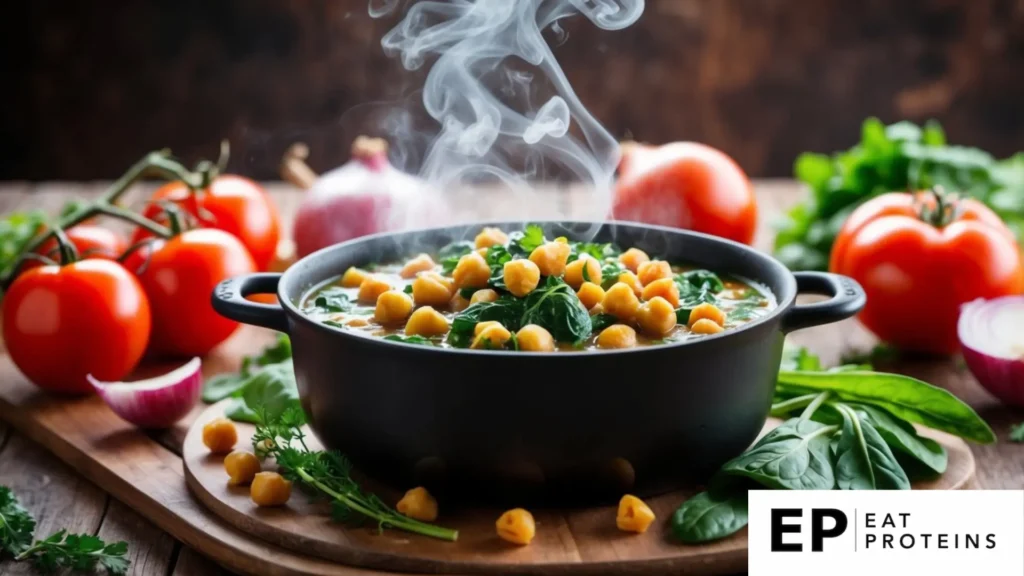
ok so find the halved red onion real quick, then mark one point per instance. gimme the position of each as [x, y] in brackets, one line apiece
[992, 338]
[156, 402]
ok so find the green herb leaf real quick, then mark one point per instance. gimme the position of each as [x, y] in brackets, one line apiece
[1017, 433]
[599, 252]
[451, 254]
[557, 309]
[16, 231]
[863, 459]
[332, 299]
[420, 340]
[525, 242]
[16, 524]
[599, 322]
[903, 439]
[610, 272]
[794, 456]
[274, 389]
[707, 517]
[799, 358]
[507, 310]
[902, 396]
[227, 384]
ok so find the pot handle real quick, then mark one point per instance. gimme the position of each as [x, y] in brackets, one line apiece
[228, 300]
[848, 299]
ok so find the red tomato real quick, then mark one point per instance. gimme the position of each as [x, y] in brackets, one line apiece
[686, 185]
[61, 323]
[179, 276]
[918, 273]
[234, 204]
[90, 241]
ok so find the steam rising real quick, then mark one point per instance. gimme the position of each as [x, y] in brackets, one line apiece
[492, 67]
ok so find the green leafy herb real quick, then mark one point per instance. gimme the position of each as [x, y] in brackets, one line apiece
[697, 287]
[556, 308]
[599, 322]
[224, 385]
[467, 293]
[799, 358]
[523, 243]
[16, 231]
[407, 289]
[328, 474]
[16, 524]
[599, 252]
[330, 300]
[711, 515]
[497, 256]
[903, 438]
[863, 459]
[610, 272]
[451, 254]
[794, 456]
[420, 340]
[1017, 433]
[507, 310]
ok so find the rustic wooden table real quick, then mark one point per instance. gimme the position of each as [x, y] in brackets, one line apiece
[60, 498]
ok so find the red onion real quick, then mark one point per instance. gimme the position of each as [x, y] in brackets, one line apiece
[156, 402]
[364, 196]
[992, 338]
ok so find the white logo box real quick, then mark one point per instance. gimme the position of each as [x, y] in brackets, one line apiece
[933, 532]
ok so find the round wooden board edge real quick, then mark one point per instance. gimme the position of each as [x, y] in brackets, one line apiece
[731, 556]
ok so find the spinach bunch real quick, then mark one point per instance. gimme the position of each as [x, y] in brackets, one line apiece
[696, 287]
[507, 309]
[898, 157]
[847, 428]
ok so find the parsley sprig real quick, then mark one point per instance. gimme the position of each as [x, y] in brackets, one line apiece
[328, 473]
[79, 552]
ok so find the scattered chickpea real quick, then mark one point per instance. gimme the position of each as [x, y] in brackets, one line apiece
[521, 277]
[709, 312]
[633, 257]
[653, 270]
[490, 237]
[620, 301]
[353, 277]
[472, 271]
[533, 338]
[656, 317]
[493, 336]
[617, 336]
[633, 515]
[590, 294]
[393, 307]
[427, 322]
[371, 288]
[485, 295]
[574, 271]
[220, 435]
[705, 326]
[630, 279]
[241, 467]
[418, 504]
[551, 257]
[270, 489]
[516, 526]
[432, 289]
[665, 288]
[421, 263]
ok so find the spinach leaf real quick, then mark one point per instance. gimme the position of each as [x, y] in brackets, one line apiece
[707, 517]
[610, 272]
[273, 389]
[863, 459]
[467, 293]
[902, 396]
[745, 311]
[223, 385]
[506, 309]
[420, 340]
[1017, 433]
[451, 254]
[407, 289]
[16, 231]
[600, 252]
[330, 300]
[794, 456]
[237, 410]
[556, 308]
[702, 280]
[497, 256]
[903, 438]
[525, 242]
[799, 358]
[599, 322]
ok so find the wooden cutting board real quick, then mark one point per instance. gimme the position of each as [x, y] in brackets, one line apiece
[568, 542]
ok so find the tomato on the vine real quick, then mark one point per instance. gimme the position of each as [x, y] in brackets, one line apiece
[231, 203]
[90, 241]
[61, 323]
[919, 258]
[179, 275]
[685, 185]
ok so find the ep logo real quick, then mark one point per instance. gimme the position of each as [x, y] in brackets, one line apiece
[824, 523]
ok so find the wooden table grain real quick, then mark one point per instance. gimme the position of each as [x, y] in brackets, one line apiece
[60, 498]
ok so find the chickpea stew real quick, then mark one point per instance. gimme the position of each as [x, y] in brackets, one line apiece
[524, 292]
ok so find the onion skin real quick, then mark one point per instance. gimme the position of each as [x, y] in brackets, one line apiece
[1003, 378]
[157, 402]
[991, 344]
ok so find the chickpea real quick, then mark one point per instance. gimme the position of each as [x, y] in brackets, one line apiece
[418, 504]
[551, 257]
[597, 309]
[490, 237]
[432, 289]
[521, 277]
[482, 252]
[270, 489]
[458, 303]
[353, 277]
[574, 271]
[590, 294]
[630, 279]
[664, 288]
[421, 263]
[633, 515]
[533, 338]
[493, 336]
[632, 259]
[617, 336]
[220, 435]
[486, 295]
[358, 322]
[481, 326]
[426, 322]
[705, 326]
[472, 271]
[648, 272]
[620, 301]
[516, 526]
[393, 307]
[708, 311]
[241, 467]
[371, 289]
[656, 317]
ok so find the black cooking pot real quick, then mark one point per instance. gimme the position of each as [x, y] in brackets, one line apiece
[532, 428]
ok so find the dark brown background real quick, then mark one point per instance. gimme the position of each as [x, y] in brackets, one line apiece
[88, 87]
